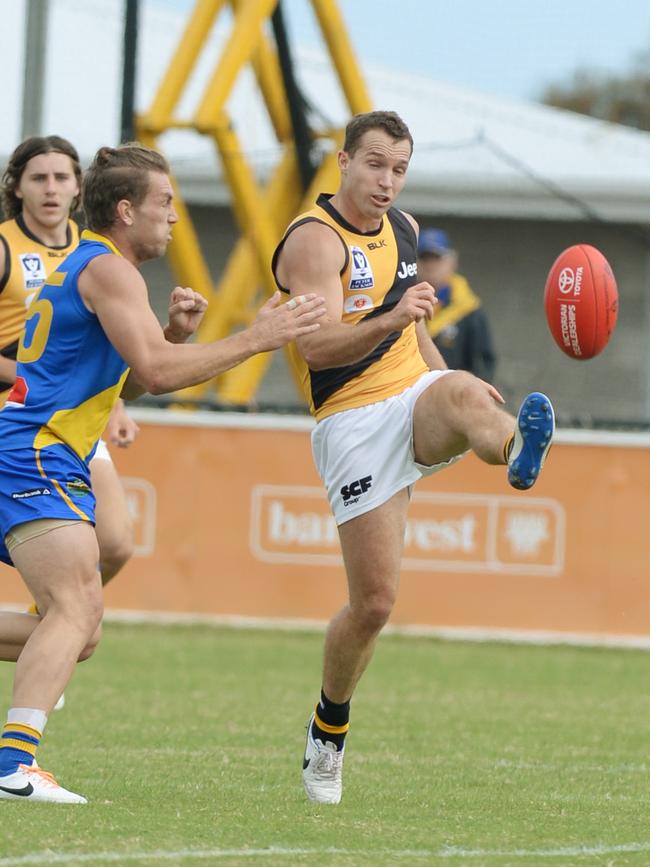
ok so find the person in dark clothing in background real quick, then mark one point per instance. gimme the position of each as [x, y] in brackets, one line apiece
[459, 327]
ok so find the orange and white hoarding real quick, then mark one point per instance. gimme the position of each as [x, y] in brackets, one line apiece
[231, 519]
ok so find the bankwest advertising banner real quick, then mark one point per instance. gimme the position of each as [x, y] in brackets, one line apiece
[230, 518]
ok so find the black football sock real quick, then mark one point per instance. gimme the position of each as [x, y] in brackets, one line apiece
[331, 721]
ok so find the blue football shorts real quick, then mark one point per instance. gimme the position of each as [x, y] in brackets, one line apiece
[37, 484]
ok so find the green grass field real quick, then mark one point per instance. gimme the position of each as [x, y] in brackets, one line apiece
[188, 743]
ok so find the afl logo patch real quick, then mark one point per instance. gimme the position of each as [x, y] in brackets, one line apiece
[357, 303]
[361, 276]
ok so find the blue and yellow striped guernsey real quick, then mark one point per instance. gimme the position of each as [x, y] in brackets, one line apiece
[69, 375]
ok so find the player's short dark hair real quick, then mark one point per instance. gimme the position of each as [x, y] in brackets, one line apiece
[389, 121]
[33, 146]
[116, 174]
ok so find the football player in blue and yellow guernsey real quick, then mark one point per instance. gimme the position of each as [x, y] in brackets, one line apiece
[91, 337]
[40, 190]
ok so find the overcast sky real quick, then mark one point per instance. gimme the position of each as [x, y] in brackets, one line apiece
[506, 47]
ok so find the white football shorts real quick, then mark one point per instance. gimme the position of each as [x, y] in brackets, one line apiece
[101, 452]
[365, 455]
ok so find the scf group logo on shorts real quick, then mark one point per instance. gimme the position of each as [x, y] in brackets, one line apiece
[570, 281]
[445, 532]
[352, 492]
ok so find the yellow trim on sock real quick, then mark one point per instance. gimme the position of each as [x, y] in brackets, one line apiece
[507, 448]
[25, 746]
[23, 729]
[331, 730]
[33, 609]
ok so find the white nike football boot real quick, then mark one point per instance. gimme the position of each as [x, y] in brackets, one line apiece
[34, 784]
[322, 769]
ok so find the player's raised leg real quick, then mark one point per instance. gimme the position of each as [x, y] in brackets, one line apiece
[458, 412]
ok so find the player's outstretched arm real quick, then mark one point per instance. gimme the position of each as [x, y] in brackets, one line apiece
[115, 290]
[185, 312]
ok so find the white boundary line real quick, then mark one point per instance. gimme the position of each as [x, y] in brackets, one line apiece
[271, 421]
[477, 634]
[49, 857]
[449, 633]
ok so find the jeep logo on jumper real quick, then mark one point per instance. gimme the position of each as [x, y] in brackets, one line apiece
[405, 270]
[355, 489]
[361, 276]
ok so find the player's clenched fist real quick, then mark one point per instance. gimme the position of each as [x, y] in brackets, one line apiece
[186, 309]
[415, 304]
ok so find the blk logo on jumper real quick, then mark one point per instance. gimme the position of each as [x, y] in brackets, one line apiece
[353, 491]
[361, 276]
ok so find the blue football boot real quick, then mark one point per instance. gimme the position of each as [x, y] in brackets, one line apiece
[533, 436]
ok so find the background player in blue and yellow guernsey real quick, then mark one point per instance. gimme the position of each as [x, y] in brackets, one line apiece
[388, 410]
[91, 336]
[40, 190]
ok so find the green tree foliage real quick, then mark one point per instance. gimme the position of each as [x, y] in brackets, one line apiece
[621, 99]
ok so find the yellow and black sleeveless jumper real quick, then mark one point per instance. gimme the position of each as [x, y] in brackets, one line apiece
[28, 263]
[379, 267]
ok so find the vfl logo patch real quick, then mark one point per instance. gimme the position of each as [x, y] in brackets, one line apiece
[356, 303]
[353, 491]
[35, 492]
[33, 270]
[361, 276]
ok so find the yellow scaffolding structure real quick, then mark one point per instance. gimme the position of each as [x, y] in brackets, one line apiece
[262, 213]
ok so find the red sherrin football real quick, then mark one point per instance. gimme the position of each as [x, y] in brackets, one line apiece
[581, 301]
